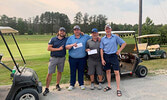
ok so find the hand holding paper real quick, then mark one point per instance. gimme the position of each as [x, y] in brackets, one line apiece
[79, 45]
[91, 52]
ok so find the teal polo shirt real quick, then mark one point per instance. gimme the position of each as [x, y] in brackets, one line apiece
[78, 52]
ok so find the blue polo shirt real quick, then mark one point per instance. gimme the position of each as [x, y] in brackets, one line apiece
[78, 52]
[110, 45]
[56, 44]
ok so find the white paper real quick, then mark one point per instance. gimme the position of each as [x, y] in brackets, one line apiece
[91, 52]
[79, 45]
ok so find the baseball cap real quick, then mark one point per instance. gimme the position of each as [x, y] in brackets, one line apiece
[94, 30]
[62, 28]
[107, 26]
[76, 27]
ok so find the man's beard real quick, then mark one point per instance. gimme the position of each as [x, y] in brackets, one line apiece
[62, 35]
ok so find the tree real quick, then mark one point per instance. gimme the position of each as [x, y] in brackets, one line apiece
[78, 18]
[85, 27]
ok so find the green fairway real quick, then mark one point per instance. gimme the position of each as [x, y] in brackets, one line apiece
[34, 48]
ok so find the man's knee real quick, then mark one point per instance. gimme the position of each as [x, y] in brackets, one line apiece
[59, 73]
[116, 73]
[108, 71]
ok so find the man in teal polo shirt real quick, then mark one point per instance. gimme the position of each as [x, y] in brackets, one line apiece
[76, 44]
[109, 56]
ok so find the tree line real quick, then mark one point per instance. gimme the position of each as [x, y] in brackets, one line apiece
[49, 22]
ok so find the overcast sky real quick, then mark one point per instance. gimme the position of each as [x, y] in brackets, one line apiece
[117, 11]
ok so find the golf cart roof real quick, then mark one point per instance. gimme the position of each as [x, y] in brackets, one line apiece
[149, 35]
[117, 32]
[5, 29]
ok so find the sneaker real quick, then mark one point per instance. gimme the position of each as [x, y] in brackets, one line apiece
[46, 92]
[82, 87]
[92, 87]
[58, 87]
[100, 86]
[70, 88]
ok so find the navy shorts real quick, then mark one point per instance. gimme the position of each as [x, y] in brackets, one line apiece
[111, 61]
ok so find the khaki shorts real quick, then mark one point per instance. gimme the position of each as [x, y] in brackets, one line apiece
[94, 66]
[56, 61]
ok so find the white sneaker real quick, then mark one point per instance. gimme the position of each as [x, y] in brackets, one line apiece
[70, 88]
[100, 86]
[92, 87]
[82, 87]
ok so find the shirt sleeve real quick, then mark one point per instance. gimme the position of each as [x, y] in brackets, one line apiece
[87, 45]
[88, 36]
[50, 41]
[119, 40]
[68, 41]
[101, 45]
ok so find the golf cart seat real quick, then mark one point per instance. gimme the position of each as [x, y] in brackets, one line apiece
[152, 48]
[142, 46]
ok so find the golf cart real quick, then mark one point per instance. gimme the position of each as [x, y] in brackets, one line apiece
[129, 60]
[26, 85]
[147, 51]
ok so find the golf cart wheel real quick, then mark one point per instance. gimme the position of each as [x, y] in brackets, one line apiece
[146, 57]
[27, 94]
[103, 78]
[163, 55]
[141, 71]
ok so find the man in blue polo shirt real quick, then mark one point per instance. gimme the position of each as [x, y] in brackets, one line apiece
[109, 56]
[76, 44]
[58, 51]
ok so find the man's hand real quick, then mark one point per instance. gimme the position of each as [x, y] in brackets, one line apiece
[118, 52]
[99, 39]
[82, 33]
[75, 44]
[87, 50]
[103, 62]
[71, 45]
[60, 48]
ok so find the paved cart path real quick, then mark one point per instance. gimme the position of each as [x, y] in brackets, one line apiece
[133, 88]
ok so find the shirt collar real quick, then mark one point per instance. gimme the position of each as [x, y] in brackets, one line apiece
[79, 37]
[110, 37]
[58, 38]
[95, 41]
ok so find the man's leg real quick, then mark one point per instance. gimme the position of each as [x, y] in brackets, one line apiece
[81, 65]
[58, 77]
[92, 78]
[60, 69]
[51, 70]
[108, 74]
[48, 80]
[117, 76]
[100, 78]
[73, 65]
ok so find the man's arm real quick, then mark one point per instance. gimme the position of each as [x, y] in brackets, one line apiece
[70, 46]
[87, 47]
[102, 58]
[121, 48]
[50, 48]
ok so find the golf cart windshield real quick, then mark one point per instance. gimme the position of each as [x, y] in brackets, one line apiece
[128, 37]
[4, 32]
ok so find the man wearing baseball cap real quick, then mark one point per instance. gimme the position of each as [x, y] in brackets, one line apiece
[57, 49]
[76, 44]
[94, 61]
[109, 56]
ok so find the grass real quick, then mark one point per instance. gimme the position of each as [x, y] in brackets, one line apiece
[37, 57]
